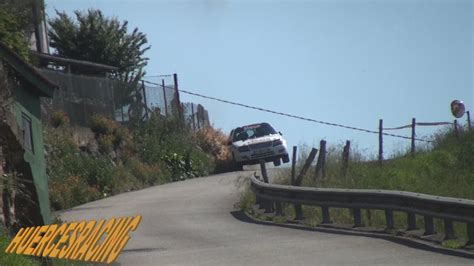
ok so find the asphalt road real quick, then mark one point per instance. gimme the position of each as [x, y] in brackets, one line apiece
[194, 222]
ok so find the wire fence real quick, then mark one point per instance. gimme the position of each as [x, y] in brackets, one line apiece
[81, 97]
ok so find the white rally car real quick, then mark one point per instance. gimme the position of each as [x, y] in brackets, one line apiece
[253, 143]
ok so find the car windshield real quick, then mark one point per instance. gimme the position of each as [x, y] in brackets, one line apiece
[253, 131]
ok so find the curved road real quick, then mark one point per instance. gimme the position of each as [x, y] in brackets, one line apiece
[194, 223]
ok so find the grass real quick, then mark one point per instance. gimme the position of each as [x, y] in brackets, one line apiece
[14, 259]
[444, 169]
[24, 260]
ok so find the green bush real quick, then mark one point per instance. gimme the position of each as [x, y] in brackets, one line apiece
[101, 125]
[147, 174]
[71, 191]
[59, 119]
[157, 151]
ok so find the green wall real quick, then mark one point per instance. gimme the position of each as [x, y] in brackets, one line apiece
[29, 104]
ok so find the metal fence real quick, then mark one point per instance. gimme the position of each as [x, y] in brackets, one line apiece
[449, 210]
[81, 97]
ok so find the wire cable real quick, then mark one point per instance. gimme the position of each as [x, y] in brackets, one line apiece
[290, 115]
[160, 76]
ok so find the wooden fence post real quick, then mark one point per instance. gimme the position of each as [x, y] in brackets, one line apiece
[179, 108]
[413, 125]
[293, 166]
[469, 120]
[456, 128]
[345, 157]
[192, 116]
[299, 180]
[164, 96]
[307, 164]
[320, 170]
[144, 99]
[380, 141]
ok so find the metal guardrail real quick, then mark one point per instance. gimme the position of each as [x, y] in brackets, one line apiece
[448, 209]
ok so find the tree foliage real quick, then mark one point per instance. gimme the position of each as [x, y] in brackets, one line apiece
[16, 22]
[93, 37]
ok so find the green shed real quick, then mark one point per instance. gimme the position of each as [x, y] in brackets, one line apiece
[21, 140]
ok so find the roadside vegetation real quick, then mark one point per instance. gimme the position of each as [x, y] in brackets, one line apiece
[23, 260]
[443, 169]
[118, 159]
[15, 20]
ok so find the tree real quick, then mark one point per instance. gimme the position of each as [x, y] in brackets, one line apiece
[16, 21]
[93, 37]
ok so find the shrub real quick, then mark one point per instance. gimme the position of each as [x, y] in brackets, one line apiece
[71, 191]
[59, 119]
[180, 167]
[101, 125]
[111, 136]
[214, 142]
[147, 174]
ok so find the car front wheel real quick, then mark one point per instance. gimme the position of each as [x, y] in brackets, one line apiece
[276, 162]
[286, 158]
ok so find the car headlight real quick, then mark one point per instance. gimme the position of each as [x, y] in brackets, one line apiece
[243, 149]
[277, 142]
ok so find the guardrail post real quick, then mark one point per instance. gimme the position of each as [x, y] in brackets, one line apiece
[470, 233]
[326, 215]
[299, 180]
[267, 204]
[429, 225]
[357, 218]
[389, 220]
[411, 221]
[298, 212]
[278, 209]
[298, 209]
[448, 229]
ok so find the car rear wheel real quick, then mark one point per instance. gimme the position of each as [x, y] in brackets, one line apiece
[286, 158]
[239, 166]
[276, 162]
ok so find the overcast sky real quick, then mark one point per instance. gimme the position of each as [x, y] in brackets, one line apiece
[347, 62]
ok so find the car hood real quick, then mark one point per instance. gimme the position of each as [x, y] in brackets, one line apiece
[247, 142]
